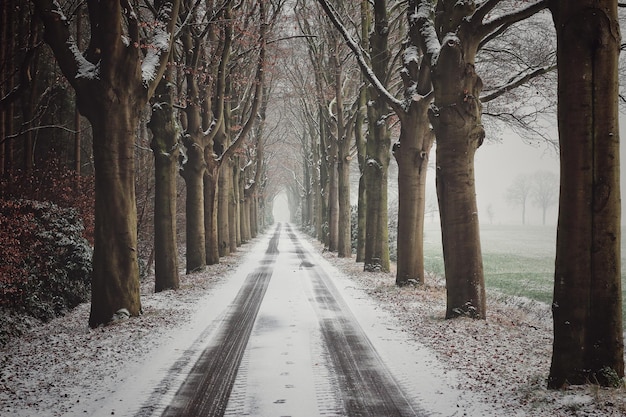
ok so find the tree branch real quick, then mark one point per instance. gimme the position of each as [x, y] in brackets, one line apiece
[422, 19]
[358, 52]
[155, 61]
[516, 82]
[258, 90]
[508, 19]
[57, 35]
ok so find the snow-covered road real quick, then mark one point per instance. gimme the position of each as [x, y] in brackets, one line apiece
[291, 340]
[442, 367]
[305, 353]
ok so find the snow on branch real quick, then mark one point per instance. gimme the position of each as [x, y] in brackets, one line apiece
[159, 43]
[85, 69]
[510, 18]
[360, 56]
[421, 17]
[57, 35]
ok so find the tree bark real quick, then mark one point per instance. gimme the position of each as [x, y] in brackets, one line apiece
[115, 278]
[333, 195]
[236, 203]
[456, 120]
[223, 220]
[344, 237]
[412, 153]
[359, 139]
[211, 190]
[587, 308]
[164, 146]
[378, 147]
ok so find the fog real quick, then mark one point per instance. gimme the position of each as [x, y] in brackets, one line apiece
[496, 167]
[280, 208]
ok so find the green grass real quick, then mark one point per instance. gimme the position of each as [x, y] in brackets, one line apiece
[518, 260]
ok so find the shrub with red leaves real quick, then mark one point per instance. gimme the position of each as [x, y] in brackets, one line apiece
[46, 264]
[54, 183]
[46, 227]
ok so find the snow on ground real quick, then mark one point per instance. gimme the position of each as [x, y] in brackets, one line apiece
[65, 368]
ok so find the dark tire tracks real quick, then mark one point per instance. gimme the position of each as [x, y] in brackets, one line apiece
[206, 390]
[366, 386]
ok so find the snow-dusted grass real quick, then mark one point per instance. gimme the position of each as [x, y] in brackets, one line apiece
[518, 260]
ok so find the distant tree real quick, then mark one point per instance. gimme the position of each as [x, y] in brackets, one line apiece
[490, 213]
[545, 191]
[519, 192]
[588, 342]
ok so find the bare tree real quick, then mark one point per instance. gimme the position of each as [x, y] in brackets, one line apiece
[519, 192]
[545, 191]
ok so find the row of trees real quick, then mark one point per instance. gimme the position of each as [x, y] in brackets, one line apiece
[415, 77]
[425, 70]
[194, 76]
[430, 70]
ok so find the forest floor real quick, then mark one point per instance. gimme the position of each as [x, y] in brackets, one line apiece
[64, 368]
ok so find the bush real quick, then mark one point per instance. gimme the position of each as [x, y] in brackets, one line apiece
[53, 182]
[46, 264]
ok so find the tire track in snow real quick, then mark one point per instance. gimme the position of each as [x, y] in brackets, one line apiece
[367, 387]
[206, 390]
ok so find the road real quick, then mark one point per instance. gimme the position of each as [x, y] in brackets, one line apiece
[288, 345]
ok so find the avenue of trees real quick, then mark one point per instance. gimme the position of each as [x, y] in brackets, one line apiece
[427, 71]
[190, 75]
[245, 99]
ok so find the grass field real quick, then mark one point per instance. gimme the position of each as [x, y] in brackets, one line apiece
[518, 260]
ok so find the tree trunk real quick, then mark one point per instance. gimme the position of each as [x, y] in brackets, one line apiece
[411, 153]
[164, 145]
[246, 218]
[233, 206]
[223, 221]
[210, 214]
[587, 308]
[317, 188]
[254, 225]
[378, 144]
[333, 196]
[344, 238]
[324, 181]
[111, 100]
[115, 277]
[456, 119]
[5, 11]
[359, 139]
[193, 174]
